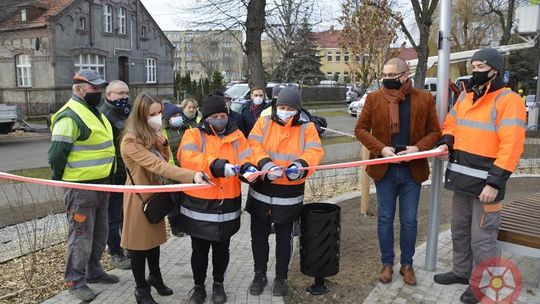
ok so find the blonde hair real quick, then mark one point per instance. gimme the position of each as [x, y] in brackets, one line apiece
[137, 122]
[185, 102]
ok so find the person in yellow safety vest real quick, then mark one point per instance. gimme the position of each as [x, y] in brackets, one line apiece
[484, 134]
[281, 143]
[211, 217]
[82, 150]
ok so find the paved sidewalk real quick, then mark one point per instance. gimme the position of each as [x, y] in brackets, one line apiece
[176, 271]
[427, 291]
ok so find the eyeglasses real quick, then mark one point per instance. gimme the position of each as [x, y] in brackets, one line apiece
[392, 75]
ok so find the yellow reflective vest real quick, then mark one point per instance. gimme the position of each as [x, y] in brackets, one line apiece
[91, 158]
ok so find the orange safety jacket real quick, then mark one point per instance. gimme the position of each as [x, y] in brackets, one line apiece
[213, 214]
[486, 139]
[274, 143]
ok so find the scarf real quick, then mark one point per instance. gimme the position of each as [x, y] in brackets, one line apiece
[253, 108]
[394, 97]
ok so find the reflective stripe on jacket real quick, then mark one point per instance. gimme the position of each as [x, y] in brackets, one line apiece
[91, 158]
[281, 145]
[212, 214]
[487, 138]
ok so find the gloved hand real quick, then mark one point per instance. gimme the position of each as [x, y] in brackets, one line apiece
[274, 173]
[231, 170]
[292, 171]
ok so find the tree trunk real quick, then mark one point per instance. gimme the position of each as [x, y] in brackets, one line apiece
[254, 27]
[507, 26]
[422, 52]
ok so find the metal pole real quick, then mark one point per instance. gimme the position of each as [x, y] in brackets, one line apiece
[442, 109]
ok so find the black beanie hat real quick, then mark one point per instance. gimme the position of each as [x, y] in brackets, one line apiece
[169, 109]
[491, 57]
[291, 97]
[213, 104]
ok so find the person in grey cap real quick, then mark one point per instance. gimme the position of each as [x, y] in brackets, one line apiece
[82, 150]
[282, 143]
[484, 134]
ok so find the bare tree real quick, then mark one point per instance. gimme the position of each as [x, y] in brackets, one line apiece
[368, 31]
[504, 10]
[245, 15]
[206, 53]
[475, 31]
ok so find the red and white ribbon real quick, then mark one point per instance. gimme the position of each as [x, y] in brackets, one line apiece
[106, 188]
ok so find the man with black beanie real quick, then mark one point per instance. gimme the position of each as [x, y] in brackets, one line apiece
[484, 134]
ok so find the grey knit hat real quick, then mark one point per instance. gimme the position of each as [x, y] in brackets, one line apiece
[291, 97]
[491, 57]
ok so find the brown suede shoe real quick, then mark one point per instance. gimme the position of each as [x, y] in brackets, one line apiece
[407, 272]
[386, 274]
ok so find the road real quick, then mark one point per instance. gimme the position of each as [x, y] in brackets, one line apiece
[25, 152]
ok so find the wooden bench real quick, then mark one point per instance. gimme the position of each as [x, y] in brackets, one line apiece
[520, 227]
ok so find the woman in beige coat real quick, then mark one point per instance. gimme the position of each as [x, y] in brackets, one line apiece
[145, 152]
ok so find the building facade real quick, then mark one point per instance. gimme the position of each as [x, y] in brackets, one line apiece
[43, 43]
[201, 53]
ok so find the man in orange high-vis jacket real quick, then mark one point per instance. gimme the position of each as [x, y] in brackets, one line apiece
[485, 134]
[211, 217]
[281, 143]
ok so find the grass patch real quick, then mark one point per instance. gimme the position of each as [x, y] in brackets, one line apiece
[332, 113]
[337, 140]
[43, 172]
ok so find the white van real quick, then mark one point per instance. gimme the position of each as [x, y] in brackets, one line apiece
[430, 85]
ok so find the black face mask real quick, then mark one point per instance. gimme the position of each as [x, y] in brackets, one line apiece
[93, 99]
[480, 78]
[392, 84]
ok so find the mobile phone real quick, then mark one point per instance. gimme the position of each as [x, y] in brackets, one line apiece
[399, 148]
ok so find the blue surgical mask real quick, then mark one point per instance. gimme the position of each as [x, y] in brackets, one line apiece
[284, 115]
[176, 121]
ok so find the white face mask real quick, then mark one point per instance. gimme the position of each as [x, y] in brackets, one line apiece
[284, 115]
[155, 122]
[258, 100]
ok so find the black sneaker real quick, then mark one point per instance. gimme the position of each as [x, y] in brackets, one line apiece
[218, 293]
[120, 261]
[198, 295]
[83, 293]
[105, 278]
[468, 297]
[259, 282]
[280, 287]
[449, 278]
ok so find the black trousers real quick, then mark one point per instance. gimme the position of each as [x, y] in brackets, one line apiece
[260, 230]
[199, 259]
[138, 264]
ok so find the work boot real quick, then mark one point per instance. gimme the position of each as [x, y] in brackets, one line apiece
[449, 278]
[83, 293]
[407, 272]
[259, 282]
[120, 261]
[198, 295]
[218, 293]
[280, 287]
[157, 283]
[143, 296]
[386, 274]
[105, 278]
[468, 297]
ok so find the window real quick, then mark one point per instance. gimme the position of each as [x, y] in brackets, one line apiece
[82, 23]
[23, 15]
[122, 20]
[357, 57]
[329, 75]
[143, 31]
[150, 70]
[24, 78]
[107, 19]
[346, 56]
[329, 56]
[189, 65]
[338, 56]
[91, 61]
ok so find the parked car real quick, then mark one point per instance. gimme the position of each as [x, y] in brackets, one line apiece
[240, 93]
[8, 116]
[328, 83]
[356, 107]
[352, 94]
[230, 84]
[430, 85]
[529, 102]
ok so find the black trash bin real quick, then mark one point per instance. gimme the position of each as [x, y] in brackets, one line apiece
[319, 243]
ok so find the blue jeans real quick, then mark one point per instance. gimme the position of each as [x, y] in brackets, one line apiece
[116, 216]
[397, 182]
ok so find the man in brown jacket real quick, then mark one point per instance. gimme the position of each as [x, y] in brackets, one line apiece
[398, 119]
